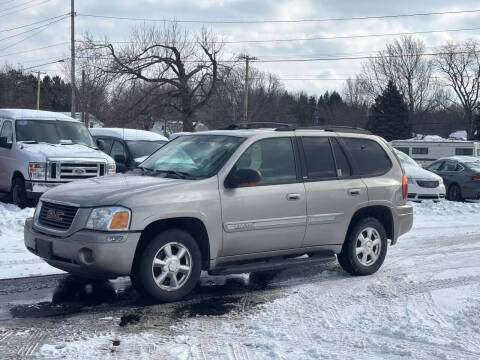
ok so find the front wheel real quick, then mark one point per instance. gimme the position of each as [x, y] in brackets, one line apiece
[169, 266]
[365, 248]
[19, 193]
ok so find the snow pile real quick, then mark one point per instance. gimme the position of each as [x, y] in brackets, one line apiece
[15, 259]
[420, 137]
[459, 135]
[445, 208]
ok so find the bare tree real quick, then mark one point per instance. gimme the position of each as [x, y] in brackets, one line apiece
[404, 63]
[461, 65]
[170, 58]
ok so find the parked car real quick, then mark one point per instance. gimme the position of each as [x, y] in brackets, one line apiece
[422, 184]
[229, 201]
[461, 175]
[129, 147]
[42, 149]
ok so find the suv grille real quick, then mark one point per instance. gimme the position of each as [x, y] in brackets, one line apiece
[69, 171]
[57, 216]
[428, 183]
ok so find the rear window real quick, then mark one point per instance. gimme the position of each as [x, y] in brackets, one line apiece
[368, 156]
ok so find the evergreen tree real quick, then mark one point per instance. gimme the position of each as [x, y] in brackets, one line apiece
[389, 115]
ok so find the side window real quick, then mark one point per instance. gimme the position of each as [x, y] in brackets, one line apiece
[343, 166]
[420, 151]
[449, 166]
[117, 149]
[435, 166]
[319, 157]
[7, 131]
[107, 143]
[464, 151]
[273, 158]
[369, 156]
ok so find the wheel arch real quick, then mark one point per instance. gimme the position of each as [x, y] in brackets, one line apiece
[380, 212]
[192, 225]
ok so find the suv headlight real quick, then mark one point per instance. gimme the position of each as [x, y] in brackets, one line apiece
[37, 170]
[111, 169]
[114, 218]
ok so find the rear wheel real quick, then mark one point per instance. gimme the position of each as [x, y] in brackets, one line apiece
[169, 266]
[455, 193]
[365, 248]
[19, 193]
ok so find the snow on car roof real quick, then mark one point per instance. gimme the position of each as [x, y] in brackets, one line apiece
[463, 159]
[128, 134]
[28, 114]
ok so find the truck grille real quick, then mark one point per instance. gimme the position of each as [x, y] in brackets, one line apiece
[428, 183]
[69, 171]
[57, 216]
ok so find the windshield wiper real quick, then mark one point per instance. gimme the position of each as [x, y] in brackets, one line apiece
[173, 173]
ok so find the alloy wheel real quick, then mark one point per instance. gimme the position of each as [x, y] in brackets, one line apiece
[172, 266]
[368, 246]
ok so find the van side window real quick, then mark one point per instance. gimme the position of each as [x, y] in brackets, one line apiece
[464, 151]
[319, 157]
[273, 158]
[7, 131]
[369, 156]
[118, 149]
[420, 151]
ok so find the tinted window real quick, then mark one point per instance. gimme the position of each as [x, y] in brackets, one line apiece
[7, 131]
[117, 149]
[273, 158]
[435, 166]
[319, 158]
[463, 151]
[107, 144]
[405, 150]
[144, 148]
[343, 166]
[369, 156]
[420, 151]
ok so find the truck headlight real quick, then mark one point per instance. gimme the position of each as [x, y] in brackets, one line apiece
[37, 170]
[115, 218]
[111, 169]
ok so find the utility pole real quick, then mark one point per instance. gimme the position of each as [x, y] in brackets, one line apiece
[82, 101]
[38, 90]
[72, 66]
[247, 59]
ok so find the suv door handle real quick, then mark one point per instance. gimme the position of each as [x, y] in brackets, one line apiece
[354, 192]
[293, 197]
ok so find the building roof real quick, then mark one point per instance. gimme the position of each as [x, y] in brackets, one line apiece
[128, 134]
[28, 114]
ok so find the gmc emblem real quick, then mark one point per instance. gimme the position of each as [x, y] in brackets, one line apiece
[55, 215]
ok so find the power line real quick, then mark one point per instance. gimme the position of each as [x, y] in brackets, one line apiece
[25, 8]
[280, 21]
[28, 37]
[36, 49]
[18, 5]
[33, 29]
[34, 23]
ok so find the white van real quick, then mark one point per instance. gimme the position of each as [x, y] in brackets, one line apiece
[42, 149]
[425, 151]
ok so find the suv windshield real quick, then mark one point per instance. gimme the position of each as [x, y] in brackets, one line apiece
[53, 132]
[197, 156]
[143, 148]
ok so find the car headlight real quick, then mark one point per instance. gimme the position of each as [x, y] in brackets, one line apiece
[111, 169]
[37, 170]
[114, 218]
[410, 180]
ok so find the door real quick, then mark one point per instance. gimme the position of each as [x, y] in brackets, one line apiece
[6, 157]
[333, 194]
[452, 173]
[272, 214]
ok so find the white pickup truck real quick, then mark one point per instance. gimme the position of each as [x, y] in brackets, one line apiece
[42, 149]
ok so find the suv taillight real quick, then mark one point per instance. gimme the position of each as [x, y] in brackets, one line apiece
[404, 187]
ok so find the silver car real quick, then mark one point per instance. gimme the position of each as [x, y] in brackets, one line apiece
[229, 201]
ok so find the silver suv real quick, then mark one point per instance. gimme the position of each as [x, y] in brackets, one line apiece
[229, 201]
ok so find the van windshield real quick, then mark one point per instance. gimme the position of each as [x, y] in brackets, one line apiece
[53, 132]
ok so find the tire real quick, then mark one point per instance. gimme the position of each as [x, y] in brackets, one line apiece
[373, 248]
[454, 193]
[18, 193]
[156, 281]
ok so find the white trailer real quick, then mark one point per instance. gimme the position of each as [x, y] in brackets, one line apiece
[425, 151]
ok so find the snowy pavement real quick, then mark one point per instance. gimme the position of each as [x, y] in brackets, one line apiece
[424, 303]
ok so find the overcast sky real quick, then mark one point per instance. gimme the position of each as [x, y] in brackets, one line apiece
[14, 13]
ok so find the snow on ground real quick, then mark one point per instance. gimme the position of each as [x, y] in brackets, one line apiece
[15, 259]
[424, 303]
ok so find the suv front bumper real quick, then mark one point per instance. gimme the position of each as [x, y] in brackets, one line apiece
[86, 252]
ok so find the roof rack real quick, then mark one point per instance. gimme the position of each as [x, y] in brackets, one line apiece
[331, 128]
[258, 125]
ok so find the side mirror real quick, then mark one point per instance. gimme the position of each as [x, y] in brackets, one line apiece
[4, 143]
[120, 159]
[101, 144]
[243, 177]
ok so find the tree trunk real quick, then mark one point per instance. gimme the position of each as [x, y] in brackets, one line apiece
[470, 123]
[187, 122]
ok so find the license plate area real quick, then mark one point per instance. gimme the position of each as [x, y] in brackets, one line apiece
[43, 248]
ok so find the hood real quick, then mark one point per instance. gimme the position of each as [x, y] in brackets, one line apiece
[109, 190]
[51, 151]
[415, 172]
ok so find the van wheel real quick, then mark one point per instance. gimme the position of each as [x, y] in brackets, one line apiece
[455, 193]
[169, 266]
[18, 193]
[365, 248]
